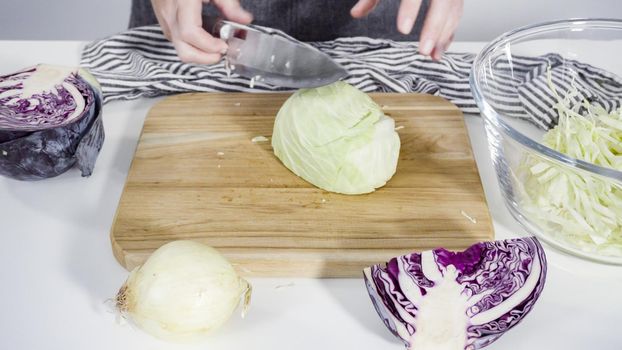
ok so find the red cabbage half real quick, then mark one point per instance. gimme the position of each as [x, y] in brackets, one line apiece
[443, 300]
[50, 120]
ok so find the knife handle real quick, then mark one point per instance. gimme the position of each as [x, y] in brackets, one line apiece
[213, 25]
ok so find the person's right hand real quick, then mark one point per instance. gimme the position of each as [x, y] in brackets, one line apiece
[181, 22]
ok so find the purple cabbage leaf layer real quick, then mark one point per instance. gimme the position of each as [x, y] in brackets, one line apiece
[445, 300]
[50, 121]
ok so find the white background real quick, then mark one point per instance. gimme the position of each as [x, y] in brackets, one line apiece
[57, 268]
[88, 20]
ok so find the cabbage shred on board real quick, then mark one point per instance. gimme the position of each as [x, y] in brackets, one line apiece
[50, 121]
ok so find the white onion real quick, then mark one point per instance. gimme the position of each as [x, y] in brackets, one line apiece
[182, 292]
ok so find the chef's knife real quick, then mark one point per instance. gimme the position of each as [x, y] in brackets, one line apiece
[272, 59]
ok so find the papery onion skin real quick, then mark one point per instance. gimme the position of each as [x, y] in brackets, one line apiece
[39, 141]
[183, 292]
[499, 281]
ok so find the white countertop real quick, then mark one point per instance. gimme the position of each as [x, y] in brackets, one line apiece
[57, 268]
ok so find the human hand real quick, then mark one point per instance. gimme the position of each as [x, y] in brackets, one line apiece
[181, 22]
[439, 26]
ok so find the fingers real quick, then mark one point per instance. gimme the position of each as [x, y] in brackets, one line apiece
[440, 49]
[440, 23]
[189, 53]
[200, 39]
[232, 10]
[407, 14]
[166, 30]
[161, 8]
[363, 8]
[189, 12]
[181, 22]
[447, 35]
[192, 42]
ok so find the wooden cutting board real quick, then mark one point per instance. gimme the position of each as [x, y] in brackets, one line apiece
[197, 175]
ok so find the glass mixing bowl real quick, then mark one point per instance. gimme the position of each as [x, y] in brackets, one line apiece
[509, 80]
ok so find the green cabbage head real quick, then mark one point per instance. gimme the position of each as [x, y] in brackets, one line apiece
[337, 138]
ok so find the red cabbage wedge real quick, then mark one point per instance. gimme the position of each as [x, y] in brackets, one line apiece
[443, 300]
[50, 120]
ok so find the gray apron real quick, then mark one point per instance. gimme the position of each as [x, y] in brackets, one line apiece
[309, 20]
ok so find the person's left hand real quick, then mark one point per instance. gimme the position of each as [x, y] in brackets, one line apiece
[440, 23]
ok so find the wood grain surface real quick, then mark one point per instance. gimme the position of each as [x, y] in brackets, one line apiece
[197, 175]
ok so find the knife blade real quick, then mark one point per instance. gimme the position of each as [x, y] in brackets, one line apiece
[274, 60]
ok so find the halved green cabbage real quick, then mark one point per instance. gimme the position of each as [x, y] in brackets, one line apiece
[337, 138]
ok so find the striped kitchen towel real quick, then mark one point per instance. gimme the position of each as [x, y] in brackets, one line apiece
[141, 62]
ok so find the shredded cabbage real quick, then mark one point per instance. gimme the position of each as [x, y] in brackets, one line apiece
[582, 209]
